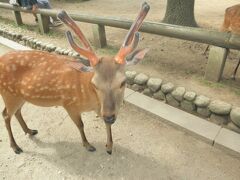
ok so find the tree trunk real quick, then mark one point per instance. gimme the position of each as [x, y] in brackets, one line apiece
[180, 12]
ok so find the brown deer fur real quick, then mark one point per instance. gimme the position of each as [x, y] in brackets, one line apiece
[46, 79]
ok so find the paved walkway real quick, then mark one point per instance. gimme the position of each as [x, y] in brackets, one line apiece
[145, 148]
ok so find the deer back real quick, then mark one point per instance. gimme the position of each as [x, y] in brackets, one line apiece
[46, 79]
[232, 19]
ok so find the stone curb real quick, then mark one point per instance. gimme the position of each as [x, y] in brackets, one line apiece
[211, 133]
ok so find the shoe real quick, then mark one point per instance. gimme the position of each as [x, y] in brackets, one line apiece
[55, 24]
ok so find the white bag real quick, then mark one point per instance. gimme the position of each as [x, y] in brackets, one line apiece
[14, 2]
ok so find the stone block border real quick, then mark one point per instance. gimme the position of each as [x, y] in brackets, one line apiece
[219, 112]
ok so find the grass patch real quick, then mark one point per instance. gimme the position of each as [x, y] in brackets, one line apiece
[215, 85]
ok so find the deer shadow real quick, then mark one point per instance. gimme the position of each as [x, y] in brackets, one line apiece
[71, 157]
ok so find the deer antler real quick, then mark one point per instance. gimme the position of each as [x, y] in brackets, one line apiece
[88, 51]
[132, 38]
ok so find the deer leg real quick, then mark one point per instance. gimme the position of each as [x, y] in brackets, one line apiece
[12, 104]
[13, 143]
[78, 122]
[24, 126]
[109, 139]
[235, 70]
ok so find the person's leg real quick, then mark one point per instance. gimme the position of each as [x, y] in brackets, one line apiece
[46, 5]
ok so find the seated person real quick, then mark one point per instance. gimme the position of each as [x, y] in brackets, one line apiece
[44, 4]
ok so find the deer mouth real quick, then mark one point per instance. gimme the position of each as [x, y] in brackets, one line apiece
[109, 119]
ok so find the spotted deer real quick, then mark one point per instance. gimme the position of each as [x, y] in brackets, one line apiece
[46, 79]
[231, 24]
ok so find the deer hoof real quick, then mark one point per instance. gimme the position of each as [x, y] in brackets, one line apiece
[109, 152]
[18, 150]
[33, 132]
[90, 148]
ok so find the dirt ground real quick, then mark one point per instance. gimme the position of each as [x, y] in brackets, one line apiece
[144, 148]
[178, 61]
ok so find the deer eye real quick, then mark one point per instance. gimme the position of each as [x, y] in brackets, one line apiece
[122, 84]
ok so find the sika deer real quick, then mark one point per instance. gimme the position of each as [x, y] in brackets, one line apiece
[46, 79]
[231, 24]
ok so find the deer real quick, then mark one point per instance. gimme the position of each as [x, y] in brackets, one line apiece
[231, 24]
[48, 79]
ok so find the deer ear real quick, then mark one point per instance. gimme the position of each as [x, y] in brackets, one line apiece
[136, 56]
[79, 66]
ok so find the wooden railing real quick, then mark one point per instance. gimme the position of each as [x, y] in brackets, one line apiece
[211, 37]
[201, 35]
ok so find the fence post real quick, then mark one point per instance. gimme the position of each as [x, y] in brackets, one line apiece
[99, 35]
[216, 62]
[18, 18]
[43, 22]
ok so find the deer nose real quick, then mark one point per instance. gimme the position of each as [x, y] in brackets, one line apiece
[109, 119]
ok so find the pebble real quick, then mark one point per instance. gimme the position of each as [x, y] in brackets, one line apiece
[141, 79]
[154, 84]
[188, 105]
[178, 93]
[172, 101]
[204, 111]
[147, 92]
[202, 101]
[167, 88]
[190, 95]
[130, 75]
[159, 95]
[220, 107]
[235, 116]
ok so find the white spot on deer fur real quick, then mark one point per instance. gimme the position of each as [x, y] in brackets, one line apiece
[42, 58]
[36, 90]
[68, 86]
[8, 69]
[27, 57]
[22, 91]
[74, 86]
[74, 98]
[22, 63]
[10, 89]
[82, 89]
[30, 87]
[53, 72]
[24, 82]
[14, 67]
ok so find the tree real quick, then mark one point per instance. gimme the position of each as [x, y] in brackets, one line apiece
[180, 12]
